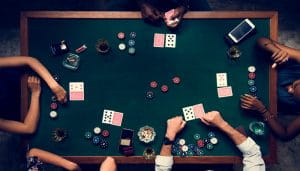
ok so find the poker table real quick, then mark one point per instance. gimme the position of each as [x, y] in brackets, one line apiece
[118, 80]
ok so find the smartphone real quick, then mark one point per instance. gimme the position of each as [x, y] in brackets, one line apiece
[126, 138]
[241, 30]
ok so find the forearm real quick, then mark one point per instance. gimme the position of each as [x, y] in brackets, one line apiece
[166, 150]
[236, 136]
[33, 115]
[54, 159]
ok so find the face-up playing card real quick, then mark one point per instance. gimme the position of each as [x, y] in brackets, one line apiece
[221, 79]
[170, 41]
[76, 91]
[188, 113]
[169, 14]
[225, 92]
[117, 119]
[159, 40]
[199, 110]
[107, 116]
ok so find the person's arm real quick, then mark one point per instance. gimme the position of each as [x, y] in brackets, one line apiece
[284, 133]
[252, 159]
[30, 122]
[164, 161]
[35, 65]
[54, 159]
[109, 164]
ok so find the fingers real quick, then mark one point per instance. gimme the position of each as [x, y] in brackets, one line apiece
[204, 121]
[183, 124]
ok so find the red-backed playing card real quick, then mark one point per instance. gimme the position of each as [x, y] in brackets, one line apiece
[117, 119]
[198, 110]
[225, 92]
[159, 40]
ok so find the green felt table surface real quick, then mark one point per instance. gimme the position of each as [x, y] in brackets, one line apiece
[118, 81]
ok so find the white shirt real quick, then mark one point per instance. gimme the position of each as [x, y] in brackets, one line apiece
[252, 159]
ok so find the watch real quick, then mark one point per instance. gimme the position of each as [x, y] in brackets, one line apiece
[167, 141]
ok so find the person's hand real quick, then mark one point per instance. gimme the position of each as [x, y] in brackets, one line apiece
[60, 93]
[34, 85]
[279, 56]
[174, 125]
[251, 103]
[176, 18]
[150, 13]
[213, 118]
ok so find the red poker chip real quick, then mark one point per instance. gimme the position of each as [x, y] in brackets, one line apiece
[176, 80]
[164, 88]
[53, 106]
[200, 143]
[105, 133]
[153, 84]
[121, 35]
[251, 75]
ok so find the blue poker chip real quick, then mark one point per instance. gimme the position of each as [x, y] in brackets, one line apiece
[251, 82]
[131, 42]
[132, 35]
[211, 134]
[191, 146]
[96, 140]
[252, 89]
[199, 152]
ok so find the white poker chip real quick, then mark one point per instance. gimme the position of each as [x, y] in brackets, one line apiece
[251, 69]
[122, 46]
[97, 130]
[53, 114]
[181, 142]
[185, 148]
[214, 140]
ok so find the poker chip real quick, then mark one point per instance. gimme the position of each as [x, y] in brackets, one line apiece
[211, 134]
[190, 153]
[191, 146]
[178, 152]
[176, 80]
[164, 88]
[209, 146]
[184, 148]
[53, 99]
[252, 89]
[206, 141]
[96, 140]
[251, 69]
[214, 140]
[182, 142]
[122, 46]
[132, 35]
[149, 95]
[197, 136]
[105, 133]
[53, 114]
[251, 75]
[251, 82]
[53, 105]
[97, 130]
[88, 135]
[183, 154]
[199, 152]
[200, 143]
[121, 35]
[131, 50]
[56, 78]
[103, 144]
[131, 42]
[153, 84]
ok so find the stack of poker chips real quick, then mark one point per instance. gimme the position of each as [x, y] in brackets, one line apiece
[251, 81]
[180, 148]
[54, 105]
[98, 137]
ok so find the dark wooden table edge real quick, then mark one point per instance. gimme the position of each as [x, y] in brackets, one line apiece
[272, 15]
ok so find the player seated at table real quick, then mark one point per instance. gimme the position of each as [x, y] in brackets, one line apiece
[252, 159]
[153, 10]
[287, 60]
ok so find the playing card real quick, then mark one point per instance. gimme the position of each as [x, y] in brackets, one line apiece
[198, 110]
[170, 41]
[76, 91]
[225, 92]
[117, 119]
[159, 40]
[188, 113]
[107, 116]
[169, 14]
[221, 79]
